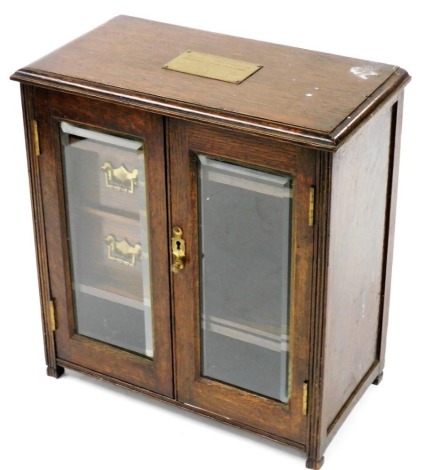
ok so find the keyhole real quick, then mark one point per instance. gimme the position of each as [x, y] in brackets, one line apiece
[178, 243]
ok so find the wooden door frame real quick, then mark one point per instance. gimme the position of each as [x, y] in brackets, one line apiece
[72, 349]
[245, 409]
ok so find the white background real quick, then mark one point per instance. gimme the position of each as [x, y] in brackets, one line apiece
[76, 422]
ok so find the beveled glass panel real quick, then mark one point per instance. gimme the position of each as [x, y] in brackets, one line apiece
[106, 202]
[245, 244]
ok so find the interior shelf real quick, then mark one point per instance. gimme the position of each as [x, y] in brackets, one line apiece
[114, 297]
[113, 214]
[275, 339]
[236, 176]
[89, 136]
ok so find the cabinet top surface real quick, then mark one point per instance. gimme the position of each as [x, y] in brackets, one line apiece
[297, 93]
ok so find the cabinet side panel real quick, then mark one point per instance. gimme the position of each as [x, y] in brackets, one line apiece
[360, 175]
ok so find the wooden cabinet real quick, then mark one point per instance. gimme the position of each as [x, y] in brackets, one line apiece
[214, 227]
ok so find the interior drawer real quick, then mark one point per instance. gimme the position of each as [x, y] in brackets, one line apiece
[110, 254]
[107, 176]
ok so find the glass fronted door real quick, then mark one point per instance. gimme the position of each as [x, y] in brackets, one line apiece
[242, 299]
[245, 246]
[105, 199]
[105, 189]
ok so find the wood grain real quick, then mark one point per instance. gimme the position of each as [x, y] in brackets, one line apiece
[53, 369]
[315, 443]
[390, 227]
[360, 181]
[298, 94]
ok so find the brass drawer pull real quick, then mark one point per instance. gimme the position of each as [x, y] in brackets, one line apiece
[121, 251]
[120, 178]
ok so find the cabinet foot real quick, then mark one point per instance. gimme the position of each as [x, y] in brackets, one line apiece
[55, 372]
[314, 464]
[378, 379]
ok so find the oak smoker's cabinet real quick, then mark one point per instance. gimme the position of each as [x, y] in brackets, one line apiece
[214, 221]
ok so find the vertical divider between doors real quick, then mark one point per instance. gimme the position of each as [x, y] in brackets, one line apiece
[174, 134]
[168, 142]
[183, 213]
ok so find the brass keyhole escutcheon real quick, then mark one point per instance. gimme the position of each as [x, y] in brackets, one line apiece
[178, 250]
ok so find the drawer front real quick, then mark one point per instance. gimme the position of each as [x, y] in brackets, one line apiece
[113, 177]
[121, 179]
[112, 253]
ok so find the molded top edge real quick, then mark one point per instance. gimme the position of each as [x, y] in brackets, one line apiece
[309, 97]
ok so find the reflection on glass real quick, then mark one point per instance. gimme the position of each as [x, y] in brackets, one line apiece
[108, 229]
[245, 232]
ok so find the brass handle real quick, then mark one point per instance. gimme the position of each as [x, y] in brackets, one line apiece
[121, 251]
[120, 178]
[178, 250]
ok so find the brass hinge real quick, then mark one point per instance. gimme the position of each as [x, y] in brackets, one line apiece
[311, 213]
[305, 398]
[52, 315]
[36, 138]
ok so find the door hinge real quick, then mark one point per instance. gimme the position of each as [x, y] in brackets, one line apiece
[305, 398]
[311, 213]
[52, 315]
[35, 138]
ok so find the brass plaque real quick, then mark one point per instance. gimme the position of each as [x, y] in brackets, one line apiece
[212, 66]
